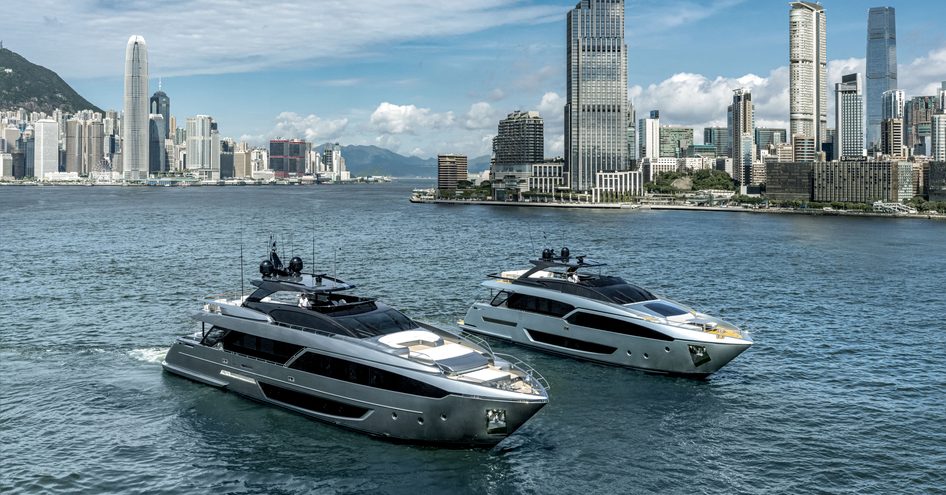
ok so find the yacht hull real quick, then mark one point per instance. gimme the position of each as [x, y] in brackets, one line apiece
[696, 358]
[451, 420]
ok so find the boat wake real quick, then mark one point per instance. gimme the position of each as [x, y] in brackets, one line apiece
[153, 355]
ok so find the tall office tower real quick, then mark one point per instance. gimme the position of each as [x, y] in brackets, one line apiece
[450, 170]
[596, 107]
[742, 135]
[917, 117]
[520, 139]
[941, 98]
[881, 67]
[674, 141]
[332, 160]
[200, 146]
[765, 136]
[719, 137]
[160, 103]
[648, 135]
[892, 105]
[135, 118]
[849, 117]
[157, 155]
[891, 138]
[938, 137]
[289, 156]
[46, 151]
[808, 87]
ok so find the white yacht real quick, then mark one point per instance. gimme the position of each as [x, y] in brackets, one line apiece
[303, 342]
[565, 305]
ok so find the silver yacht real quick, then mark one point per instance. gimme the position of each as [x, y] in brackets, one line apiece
[303, 342]
[564, 305]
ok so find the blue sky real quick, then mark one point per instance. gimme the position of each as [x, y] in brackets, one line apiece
[423, 77]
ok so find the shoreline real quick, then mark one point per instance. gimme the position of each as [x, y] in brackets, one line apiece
[722, 209]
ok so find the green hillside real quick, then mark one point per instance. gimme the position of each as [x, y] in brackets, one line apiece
[37, 89]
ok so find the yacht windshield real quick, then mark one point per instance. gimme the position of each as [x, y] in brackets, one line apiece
[377, 322]
[619, 291]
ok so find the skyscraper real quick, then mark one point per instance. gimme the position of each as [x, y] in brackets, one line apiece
[135, 119]
[203, 147]
[742, 136]
[719, 137]
[648, 136]
[46, 157]
[881, 66]
[892, 104]
[938, 137]
[450, 170]
[157, 154]
[520, 139]
[596, 108]
[808, 90]
[160, 103]
[849, 117]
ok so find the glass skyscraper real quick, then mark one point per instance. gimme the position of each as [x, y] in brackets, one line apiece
[135, 118]
[596, 105]
[881, 67]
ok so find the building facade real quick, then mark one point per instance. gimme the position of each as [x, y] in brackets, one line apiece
[719, 137]
[808, 98]
[289, 157]
[859, 181]
[46, 150]
[917, 119]
[648, 136]
[742, 136]
[674, 140]
[938, 137]
[161, 104]
[596, 107]
[203, 147]
[135, 118]
[520, 139]
[157, 151]
[849, 117]
[881, 67]
[891, 138]
[450, 170]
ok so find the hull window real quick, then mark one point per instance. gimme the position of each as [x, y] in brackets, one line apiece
[578, 345]
[500, 298]
[614, 325]
[349, 371]
[259, 347]
[539, 305]
[311, 402]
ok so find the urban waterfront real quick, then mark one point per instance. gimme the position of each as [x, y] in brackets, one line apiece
[842, 391]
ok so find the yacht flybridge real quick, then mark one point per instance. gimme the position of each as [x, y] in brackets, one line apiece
[302, 342]
[560, 306]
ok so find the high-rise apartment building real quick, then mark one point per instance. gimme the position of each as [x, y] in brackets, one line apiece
[881, 67]
[742, 136]
[596, 108]
[849, 117]
[450, 170]
[891, 138]
[160, 103]
[135, 118]
[938, 137]
[85, 145]
[520, 139]
[46, 150]
[808, 95]
[648, 135]
[203, 147]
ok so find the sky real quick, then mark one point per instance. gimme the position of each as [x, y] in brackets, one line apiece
[422, 78]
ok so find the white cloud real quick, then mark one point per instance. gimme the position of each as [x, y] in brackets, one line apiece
[400, 119]
[311, 127]
[187, 37]
[923, 76]
[552, 107]
[557, 145]
[480, 116]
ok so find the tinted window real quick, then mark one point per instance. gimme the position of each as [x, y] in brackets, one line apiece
[624, 293]
[500, 298]
[615, 325]
[260, 347]
[302, 318]
[377, 323]
[538, 305]
[349, 371]
[311, 402]
[665, 309]
[581, 345]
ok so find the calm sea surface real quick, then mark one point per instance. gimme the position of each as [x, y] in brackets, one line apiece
[843, 392]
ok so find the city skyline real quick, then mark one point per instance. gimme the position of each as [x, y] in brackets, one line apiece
[356, 99]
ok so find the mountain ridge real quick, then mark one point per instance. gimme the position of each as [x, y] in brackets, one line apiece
[35, 88]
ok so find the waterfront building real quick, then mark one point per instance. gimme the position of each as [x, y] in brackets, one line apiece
[616, 186]
[861, 181]
[596, 95]
[203, 147]
[936, 182]
[742, 135]
[674, 140]
[652, 167]
[290, 157]
[719, 137]
[891, 138]
[519, 142]
[881, 67]
[788, 181]
[84, 145]
[649, 136]
[161, 104]
[135, 117]
[808, 95]
[548, 177]
[333, 163]
[450, 170]
[849, 117]
[46, 157]
[938, 137]
[6, 166]
[157, 152]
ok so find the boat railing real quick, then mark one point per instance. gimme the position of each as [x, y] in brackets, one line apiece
[476, 339]
[226, 296]
[532, 375]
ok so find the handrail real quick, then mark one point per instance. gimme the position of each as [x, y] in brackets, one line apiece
[476, 339]
[531, 374]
